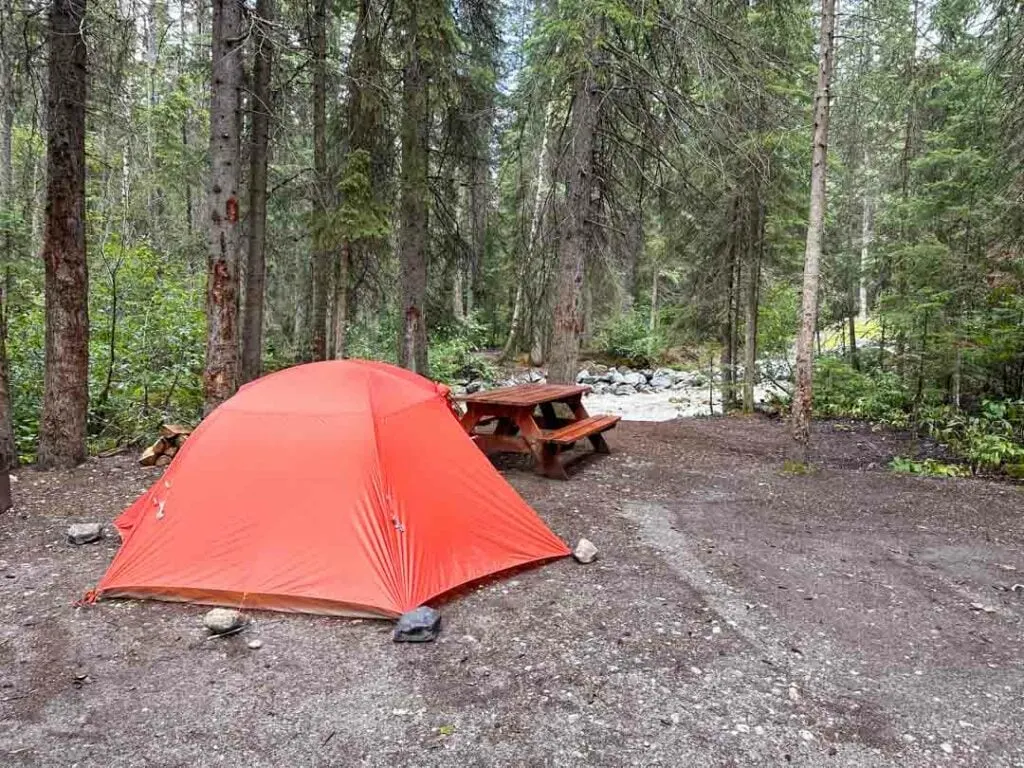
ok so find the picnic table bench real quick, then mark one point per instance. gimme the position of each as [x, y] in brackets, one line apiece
[525, 420]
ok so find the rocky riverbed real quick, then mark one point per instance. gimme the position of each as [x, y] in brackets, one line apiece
[658, 394]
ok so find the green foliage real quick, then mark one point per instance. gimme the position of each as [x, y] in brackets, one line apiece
[989, 439]
[927, 467]
[454, 356]
[795, 468]
[776, 318]
[839, 390]
[628, 339]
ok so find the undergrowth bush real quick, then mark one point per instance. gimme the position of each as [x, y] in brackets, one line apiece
[628, 339]
[988, 439]
[842, 391]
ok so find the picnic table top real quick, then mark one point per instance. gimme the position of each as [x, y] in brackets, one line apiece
[526, 394]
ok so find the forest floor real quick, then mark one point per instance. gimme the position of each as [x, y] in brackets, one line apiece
[738, 615]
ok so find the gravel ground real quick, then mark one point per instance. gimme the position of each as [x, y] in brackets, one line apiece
[737, 616]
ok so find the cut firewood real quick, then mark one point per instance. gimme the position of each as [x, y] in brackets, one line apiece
[163, 461]
[179, 440]
[170, 451]
[149, 456]
[173, 430]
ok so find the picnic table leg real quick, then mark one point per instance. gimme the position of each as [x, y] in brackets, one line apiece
[597, 441]
[550, 417]
[545, 456]
[470, 419]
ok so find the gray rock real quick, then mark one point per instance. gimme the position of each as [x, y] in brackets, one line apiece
[419, 626]
[475, 386]
[634, 378]
[624, 389]
[661, 382]
[644, 388]
[222, 620]
[582, 376]
[458, 390]
[535, 377]
[585, 551]
[255, 644]
[647, 373]
[85, 533]
[617, 378]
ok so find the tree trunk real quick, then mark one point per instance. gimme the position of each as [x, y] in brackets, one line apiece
[458, 308]
[577, 170]
[255, 272]
[867, 235]
[220, 377]
[62, 425]
[533, 240]
[321, 187]
[8, 447]
[854, 358]
[479, 202]
[365, 129]
[726, 336]
[653, 322]
[412, 245]
[340, 313]
[752, 297]
[803, 394]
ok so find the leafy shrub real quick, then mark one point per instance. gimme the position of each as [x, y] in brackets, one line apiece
[454, 352]
[628, 339]
[927, 467]
[989, 439]
[840, 390]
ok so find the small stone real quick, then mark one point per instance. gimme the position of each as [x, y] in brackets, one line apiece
[255, 645]
[742, 727]
[946, 747]
[794, 693]
[633, 378]
[697, 670]
[221, 620]
[806, 735]
[419, 626]
[661, 382]
[585, 551]
[84, 533]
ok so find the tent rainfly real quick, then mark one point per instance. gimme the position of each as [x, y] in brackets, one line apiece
[344, 488]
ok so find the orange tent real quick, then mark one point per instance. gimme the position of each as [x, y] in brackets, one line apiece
[343, 487]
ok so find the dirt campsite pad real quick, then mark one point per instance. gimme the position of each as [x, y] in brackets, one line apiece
[737, 615]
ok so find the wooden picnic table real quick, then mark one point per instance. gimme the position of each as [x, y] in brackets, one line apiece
[526, 420]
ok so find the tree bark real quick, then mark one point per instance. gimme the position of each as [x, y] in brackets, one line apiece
[577, 170]
[533, 240]
[8, 446]
[62, 427]
[867, 236]
[220, 376]
[321, 187]
[255, 272]
[413, 233]
[803, 392]
[339, 316]
[752, 298]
